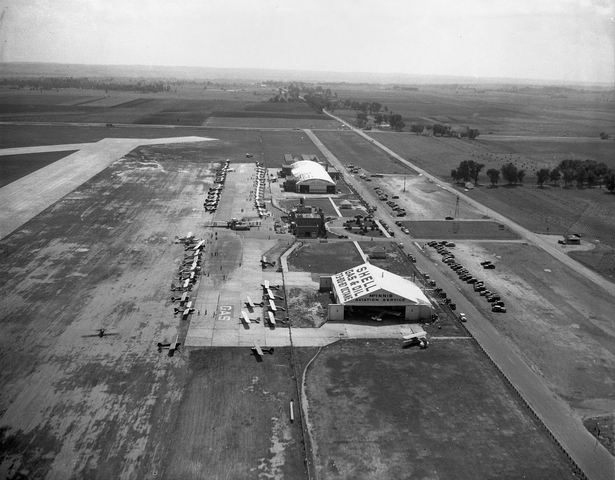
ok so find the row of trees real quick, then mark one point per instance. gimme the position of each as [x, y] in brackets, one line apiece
[49, 83]
[584, 172]
[445, 130]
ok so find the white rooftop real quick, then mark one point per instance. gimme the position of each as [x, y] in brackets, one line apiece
[368, 284]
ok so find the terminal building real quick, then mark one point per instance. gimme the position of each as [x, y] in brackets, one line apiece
[370, 291]
[307, 176]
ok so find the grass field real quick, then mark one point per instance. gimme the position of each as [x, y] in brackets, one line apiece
[324, 258]
[378, 411]
[13, 167]
[468, 230]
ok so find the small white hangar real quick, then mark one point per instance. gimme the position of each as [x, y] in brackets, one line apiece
[367, 289]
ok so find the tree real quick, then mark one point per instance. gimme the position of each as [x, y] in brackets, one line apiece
[472, 133]
[378, 118]
[520, 175]
[542, 176]
[455, 174]
[361, 119]
[494, 175]
[509, 172]
[477, 167]
[568, 175]
[591, 178]
[374, 107]
[609, 180]
[555, 175]
[417, 128]
[581, 177]
[396, 122]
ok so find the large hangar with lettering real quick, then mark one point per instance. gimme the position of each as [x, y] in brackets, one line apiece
[377, 290]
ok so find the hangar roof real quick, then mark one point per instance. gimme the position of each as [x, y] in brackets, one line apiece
[306, 170]
[369, 285]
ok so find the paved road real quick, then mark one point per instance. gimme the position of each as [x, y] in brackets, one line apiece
[595, 461]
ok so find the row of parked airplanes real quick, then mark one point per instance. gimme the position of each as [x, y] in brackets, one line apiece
[268, 301]
[213, 196]
[259, 188]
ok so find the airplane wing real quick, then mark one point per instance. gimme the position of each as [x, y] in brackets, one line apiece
[186, 283]
[184, 297]
[245, 317]
[272, 306]
[266, 285]
[270, 294]
[416, 332]
[271, 318]
[258, 349]
[250, 302]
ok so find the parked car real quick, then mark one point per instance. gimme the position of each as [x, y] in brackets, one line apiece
[462, 317]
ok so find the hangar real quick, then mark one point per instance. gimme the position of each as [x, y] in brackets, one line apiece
[309, 177]
[373, 291]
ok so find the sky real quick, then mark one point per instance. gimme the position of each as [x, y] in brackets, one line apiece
[559, 40]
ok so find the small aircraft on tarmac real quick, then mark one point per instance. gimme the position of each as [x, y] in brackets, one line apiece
[271, 318]
[185, 311]
[189, 238]
[183, 299]
[101, 332]
[275, 307]
[418, 336]
[247, 320]
[267, 286]
[173, 346]
[251, 304]
[261, 350]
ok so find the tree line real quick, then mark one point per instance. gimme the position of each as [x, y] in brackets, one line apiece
[583, 172]
[50, 83]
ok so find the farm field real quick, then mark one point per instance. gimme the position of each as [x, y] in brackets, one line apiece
[189, 107]
[377, 411]
[503, 110]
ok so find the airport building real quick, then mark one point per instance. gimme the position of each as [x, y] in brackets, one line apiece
[370, 291]
[307, 176]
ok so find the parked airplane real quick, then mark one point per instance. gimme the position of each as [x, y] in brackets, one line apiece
[275, 307]
[271, 318]
[189, 238]
[267, 286]
[251, 304]
[418, 336]
[381, 312]
[247, 319]
[260, 350]
[101, 332]
[183, 299]
[197, 246]
[270, 294]
[173, 346]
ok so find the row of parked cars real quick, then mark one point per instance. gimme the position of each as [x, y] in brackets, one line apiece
[497, 304]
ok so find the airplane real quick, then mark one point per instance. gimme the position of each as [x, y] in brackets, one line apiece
[185, 311]
[197, 246]
[275, 307]
[260, 350]
[184, 298]
[270, 295]
[101, 332]
[247, 319]
[267, 286]
[382, 312]
[251, 304]
[173, 346]
[189, 238]
[271, 318]
[418, 335]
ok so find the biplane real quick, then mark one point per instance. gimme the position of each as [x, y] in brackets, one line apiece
[173, 346]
